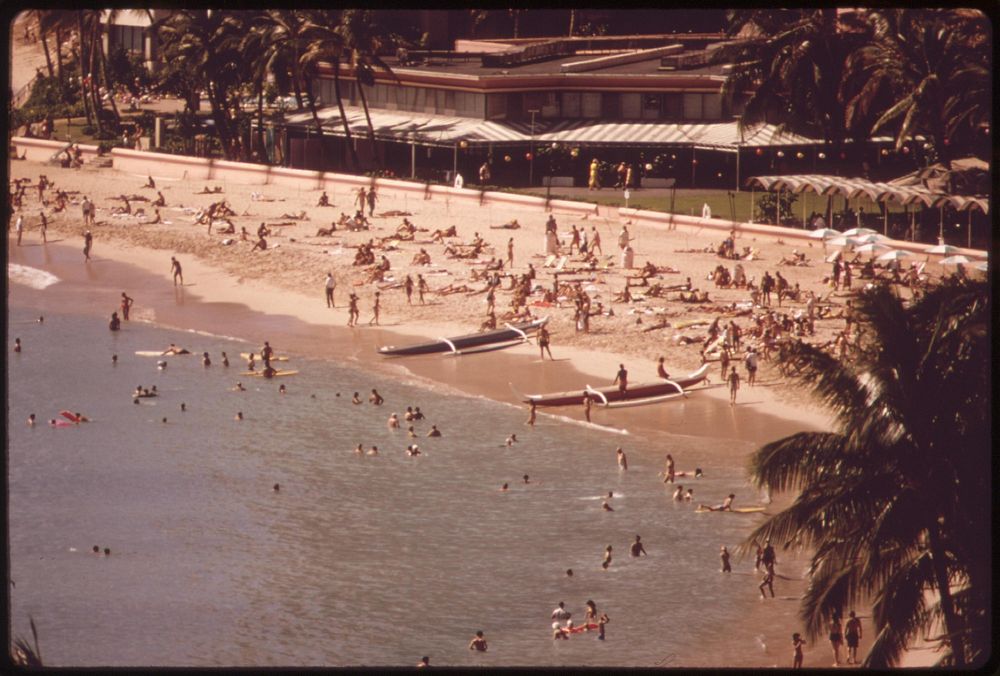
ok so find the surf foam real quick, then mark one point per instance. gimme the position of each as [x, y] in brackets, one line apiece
[28, 276]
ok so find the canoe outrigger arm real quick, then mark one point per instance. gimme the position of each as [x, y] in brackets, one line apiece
[524, 336]
[599, 394]
[450, 344]
[680, 389]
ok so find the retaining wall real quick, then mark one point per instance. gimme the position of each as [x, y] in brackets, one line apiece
[40, 150]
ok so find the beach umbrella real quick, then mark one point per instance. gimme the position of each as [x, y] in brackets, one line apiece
[841, 241]
[982, 266]
[823, 233]
[854, 232]
[942, 249]
[873, 238]
[832, 257]
[872, 247]
[954, 260]
[894, 255]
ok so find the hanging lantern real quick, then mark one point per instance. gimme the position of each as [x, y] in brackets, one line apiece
[800, 155]
[947, 142]
[694, 161]
[463, 144]
[527, 156]
[555, 145]
[885, 152]
[821, 156]
[506, 158]
[649, 167]
[719, 174]
[927, 146]
[780, 153]
[673, 157]
[575, 152]
[843, 156]
[760, 151]
[906, 150]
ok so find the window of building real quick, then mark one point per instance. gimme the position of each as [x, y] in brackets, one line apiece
[129, 37]
[631, 106]
[650, 106]
[570, 104]
[590, 104]
[692, 106]
[711, 106]
[550, 104]
[673, 106]
[611, 106]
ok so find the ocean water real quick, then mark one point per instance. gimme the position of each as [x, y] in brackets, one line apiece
[357, 560]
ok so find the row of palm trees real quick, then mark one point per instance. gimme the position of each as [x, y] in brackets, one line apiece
[229, 54]
[895, 503]
[848, 75]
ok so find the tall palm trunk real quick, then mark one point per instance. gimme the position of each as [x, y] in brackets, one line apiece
[952, 624]
[368, 119]
[260, 125]
[84, 94]
[45, 47]
[572, 21]
[103, 62]
[343, 115]
[59, 60]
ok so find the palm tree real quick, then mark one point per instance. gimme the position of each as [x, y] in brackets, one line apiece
[325, 44]
[792, 62]
[932, 69]
[362, 40]
[897, 500]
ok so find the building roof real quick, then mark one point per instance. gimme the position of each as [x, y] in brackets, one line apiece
[428, 129]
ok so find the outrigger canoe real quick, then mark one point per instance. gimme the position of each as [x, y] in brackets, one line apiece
[496, 339]
[611, 397]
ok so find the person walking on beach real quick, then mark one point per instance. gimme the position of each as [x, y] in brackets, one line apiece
[510, 253]
[19, 227]
[175, 268]
[587, 404]
[621, 379]
[362, 194]
[768, 582]
[531, 416]
[751, 364]
[126, 305]
[331, 284]
[371, 198]
[478, 643]
[767, 555]
[376, 307]
[421, 288]
[543, 342]
[44, 226]
[852, 632]
[408, 288]
[836, 638]
[734, 384]
[668, 472]
[797, 644]
[88, 242]
[352, 312]
[595, 241]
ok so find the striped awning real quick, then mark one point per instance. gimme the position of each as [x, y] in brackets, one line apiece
[877, 192]
[439, 129]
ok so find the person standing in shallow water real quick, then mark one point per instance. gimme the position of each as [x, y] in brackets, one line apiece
[478, 642]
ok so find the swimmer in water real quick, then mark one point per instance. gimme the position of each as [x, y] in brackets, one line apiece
[414, 450]
[393, 422]
[511, 440]
[282, 389]
[173, 349]
[375, 398]
[161, 365]
[205, 361]
[239, 415]
[225, 359]
[637, 549]
[569, 572]
[435, 432]
[96, 549]
[411, 432]
[31, 420]
[359, 450]
[606, 507]
[689, 495]
[114, 359]
[607, 558]
[164, 421]
[525, 478]
[17, 345]
[356, 399]
[417, 415]
[238, 387]
[478, 643]
[503, 489]
[679, 493]
[409, 413]
[276, 488]
[622, 460]
[107, 551]
[373, 451]
[183, 407]
[726, 506]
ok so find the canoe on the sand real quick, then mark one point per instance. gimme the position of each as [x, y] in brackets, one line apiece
[512, 333]
[612, 397]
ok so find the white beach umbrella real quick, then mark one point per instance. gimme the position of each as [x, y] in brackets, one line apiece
[954, 260]
[871, 238]
[832, 257]
[853, 232]
[841, 241]
[982, 266]
[872, 247]
[824, 233]
[942, 249]
[894, 255]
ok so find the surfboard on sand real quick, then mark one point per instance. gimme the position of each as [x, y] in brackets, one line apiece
[734, 510]
[260, 374]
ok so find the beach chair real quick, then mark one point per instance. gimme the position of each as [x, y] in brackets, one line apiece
[549, 261]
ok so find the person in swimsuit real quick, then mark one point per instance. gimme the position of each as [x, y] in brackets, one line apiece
[376, 398]
[175, 268]
[356, 399]
[768, 582]
[607, 557]
[587, 404]
[478, 643]
[531, 414]
[621, 379]
[435, 432]
[797, 644]
[126, 305]
[543, 342]
[726, 506]
[724, 555]
[637, 549]
[115, 323]
[661, 371]
[668, 473]
[836, 638]
[852, 632]
[622, 460]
